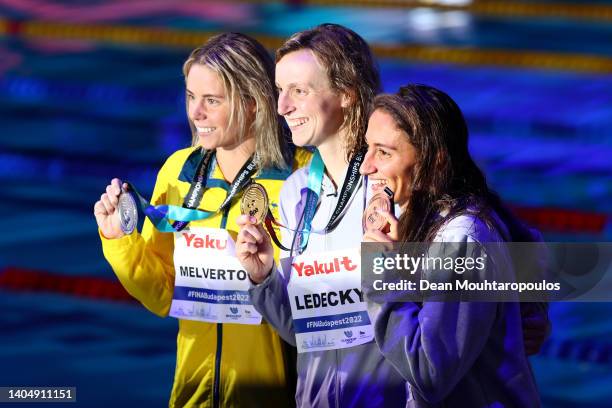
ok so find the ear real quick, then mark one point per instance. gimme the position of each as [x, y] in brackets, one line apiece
[441, 159]
[252, 106]
[348, 99]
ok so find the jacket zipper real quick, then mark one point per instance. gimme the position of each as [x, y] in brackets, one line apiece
[337, 381]
[216, 394]
[217, 381]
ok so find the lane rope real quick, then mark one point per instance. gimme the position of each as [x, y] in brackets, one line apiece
[129, 35]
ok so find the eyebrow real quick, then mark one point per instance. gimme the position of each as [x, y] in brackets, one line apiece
[294, 84]
[206, 95]
[385, 146]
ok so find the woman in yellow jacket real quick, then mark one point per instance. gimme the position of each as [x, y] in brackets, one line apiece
[231, 106]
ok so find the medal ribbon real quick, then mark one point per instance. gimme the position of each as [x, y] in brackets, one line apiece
[160, 214]
[313, 190]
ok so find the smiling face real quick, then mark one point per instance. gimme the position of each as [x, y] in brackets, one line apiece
[391, 159]
[208, 107]
[312, 109]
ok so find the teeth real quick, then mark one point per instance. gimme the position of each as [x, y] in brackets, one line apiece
[205, 129]
[297, 122]
[381, 182]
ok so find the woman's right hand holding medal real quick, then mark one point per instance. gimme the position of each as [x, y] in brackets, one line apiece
[385, 231]
[107, 213]
[379, 223]
[254, 248]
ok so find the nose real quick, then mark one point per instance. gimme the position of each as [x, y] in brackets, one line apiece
[285, 104]
[367, 166]
[196, 110]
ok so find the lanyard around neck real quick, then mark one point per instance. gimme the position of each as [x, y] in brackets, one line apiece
[161, 214]
[313, 192]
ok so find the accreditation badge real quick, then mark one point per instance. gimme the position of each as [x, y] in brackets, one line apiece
[327, 303]
[210, 284]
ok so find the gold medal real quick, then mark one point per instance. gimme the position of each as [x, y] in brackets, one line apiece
[372, 220]
[255, 202]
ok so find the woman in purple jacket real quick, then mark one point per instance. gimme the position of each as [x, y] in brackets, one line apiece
[451, 353]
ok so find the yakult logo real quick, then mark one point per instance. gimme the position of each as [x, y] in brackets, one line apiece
[207, 242]
[316, 268]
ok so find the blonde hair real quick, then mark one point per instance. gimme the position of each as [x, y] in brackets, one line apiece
[247, 72]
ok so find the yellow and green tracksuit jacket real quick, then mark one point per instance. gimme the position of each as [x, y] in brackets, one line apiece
[217, 365]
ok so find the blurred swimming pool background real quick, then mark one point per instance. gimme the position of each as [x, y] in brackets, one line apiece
[91, 90]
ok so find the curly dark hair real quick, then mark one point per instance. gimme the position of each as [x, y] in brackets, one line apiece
[445, 177]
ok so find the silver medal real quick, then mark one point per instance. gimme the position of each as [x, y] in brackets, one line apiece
[128, 214]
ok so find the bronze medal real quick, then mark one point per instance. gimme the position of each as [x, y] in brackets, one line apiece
[255, 202]
[128, 213]
[372, 220]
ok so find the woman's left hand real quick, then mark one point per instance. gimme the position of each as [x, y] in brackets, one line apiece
[388, 234]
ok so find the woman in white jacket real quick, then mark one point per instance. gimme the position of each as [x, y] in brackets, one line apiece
[327, 78]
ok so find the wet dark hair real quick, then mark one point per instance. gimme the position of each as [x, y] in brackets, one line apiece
[445, 177]
[351, 69]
